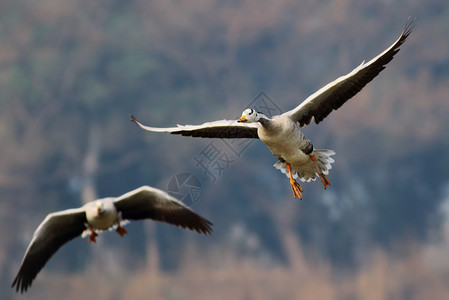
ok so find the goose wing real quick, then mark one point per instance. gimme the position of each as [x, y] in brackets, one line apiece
[330, 97]
[57, 229]
[225, 129]
[151, 203]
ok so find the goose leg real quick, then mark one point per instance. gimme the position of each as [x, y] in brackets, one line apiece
[296, 188]
[93, 235]
[323, 177]
[120, 229]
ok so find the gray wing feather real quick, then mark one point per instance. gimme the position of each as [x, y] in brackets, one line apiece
[151, 203]
[332, 96]
[56, 230]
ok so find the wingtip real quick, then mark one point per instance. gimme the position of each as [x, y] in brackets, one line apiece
[209, 230]
[206, 227]
[14, 286]
[409, 25]
[133, 119]
[19, 285]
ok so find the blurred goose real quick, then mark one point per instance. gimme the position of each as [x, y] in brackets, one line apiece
[60, 227]
[282, 133]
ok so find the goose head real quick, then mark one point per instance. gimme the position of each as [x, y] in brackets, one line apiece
[250, 116]
[100, 207]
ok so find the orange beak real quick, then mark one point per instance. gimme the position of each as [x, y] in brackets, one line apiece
[242, 119]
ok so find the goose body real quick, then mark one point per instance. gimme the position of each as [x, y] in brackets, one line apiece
[288, 143]
[282, 133]
[101, 214]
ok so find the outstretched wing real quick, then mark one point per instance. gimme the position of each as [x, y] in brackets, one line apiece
[151, 203]
[330, 97]
[224, 129]
[56, 230]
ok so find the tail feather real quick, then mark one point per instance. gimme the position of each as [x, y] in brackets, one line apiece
[323, 159]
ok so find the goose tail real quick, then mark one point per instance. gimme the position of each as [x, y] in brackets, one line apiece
[323, 160]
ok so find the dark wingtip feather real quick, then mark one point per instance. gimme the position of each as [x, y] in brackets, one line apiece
[134, 120]
[202, 226]
[20, 284]
[206, 227]
[16, 283]
[409, 26]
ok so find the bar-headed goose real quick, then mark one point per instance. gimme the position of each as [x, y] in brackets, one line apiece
[282, 133]
[60, 227]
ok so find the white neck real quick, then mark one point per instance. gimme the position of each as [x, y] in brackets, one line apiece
[261, 116]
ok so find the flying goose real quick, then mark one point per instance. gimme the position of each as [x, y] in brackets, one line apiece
[60, 227]
[282, 134]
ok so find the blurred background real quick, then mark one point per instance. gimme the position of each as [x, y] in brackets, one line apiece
[72, 71]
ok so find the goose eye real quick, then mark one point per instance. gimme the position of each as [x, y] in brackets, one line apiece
[251, 112]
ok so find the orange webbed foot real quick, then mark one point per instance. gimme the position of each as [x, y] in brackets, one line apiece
[324, 180]
[296, 189]
[323, 177]
[120, 229]
[92, 237]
